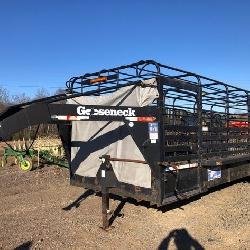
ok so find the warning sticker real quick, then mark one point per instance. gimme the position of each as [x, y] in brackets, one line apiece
[213, 174]
[153, 130]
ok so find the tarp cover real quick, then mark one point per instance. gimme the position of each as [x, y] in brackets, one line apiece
[92, 139]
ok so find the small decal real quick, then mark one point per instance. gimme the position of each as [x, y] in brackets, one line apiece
[213, 174]
[153, 130]
[205, 129]
[103, 173]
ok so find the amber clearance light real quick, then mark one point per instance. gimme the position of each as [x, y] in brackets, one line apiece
[99, 79]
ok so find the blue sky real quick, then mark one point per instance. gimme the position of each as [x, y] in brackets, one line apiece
[44, 43]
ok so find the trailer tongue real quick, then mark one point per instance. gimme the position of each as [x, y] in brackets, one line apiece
[145, 130]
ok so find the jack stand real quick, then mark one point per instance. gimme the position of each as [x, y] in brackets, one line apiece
[107, 180]
[105, 208]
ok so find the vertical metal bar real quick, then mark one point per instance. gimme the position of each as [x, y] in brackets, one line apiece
[105, 207]
[248, 108]
[227, 114]
[161, 107]
[118, 76]
[227, 105]
[199, 134]
[173, 111]
[227, 109]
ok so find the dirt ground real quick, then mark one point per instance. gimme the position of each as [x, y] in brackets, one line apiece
[40, 210]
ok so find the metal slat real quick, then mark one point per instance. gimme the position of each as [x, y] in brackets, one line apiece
[181, 128]
[181, 148]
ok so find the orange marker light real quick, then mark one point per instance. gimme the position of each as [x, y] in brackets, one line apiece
[146, 119]
[99, 79]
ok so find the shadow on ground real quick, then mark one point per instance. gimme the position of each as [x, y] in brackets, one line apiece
[25, 246]
[178, 204]
[76, 203]
[182, 240]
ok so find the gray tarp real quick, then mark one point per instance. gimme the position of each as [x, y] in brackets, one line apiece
[113, 139]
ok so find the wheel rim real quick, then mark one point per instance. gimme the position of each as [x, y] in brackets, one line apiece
[25, 165]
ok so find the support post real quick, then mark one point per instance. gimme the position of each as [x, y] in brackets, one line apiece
[199, 134]
[105, 208]
[106, 182]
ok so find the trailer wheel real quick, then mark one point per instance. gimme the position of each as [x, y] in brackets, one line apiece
[26, 164]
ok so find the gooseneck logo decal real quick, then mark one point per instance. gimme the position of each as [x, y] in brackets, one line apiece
[81, 110]
[116, 113]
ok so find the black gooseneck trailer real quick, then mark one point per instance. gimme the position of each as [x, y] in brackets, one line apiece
[145, 130]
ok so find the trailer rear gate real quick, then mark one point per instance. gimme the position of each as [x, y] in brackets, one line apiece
[162, 133]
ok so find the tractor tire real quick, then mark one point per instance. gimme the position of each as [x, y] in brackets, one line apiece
[26, 165]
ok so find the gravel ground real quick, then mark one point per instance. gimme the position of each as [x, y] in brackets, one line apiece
[38, 211]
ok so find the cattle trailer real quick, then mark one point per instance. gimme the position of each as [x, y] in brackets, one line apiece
[145, 130]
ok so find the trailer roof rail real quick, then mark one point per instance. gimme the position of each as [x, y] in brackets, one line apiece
[140, 70]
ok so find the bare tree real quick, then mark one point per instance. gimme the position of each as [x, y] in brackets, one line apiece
[4, 98]
[20, 98]
[59, 91]
[45, 129]
[4, 95]
[41, 93]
